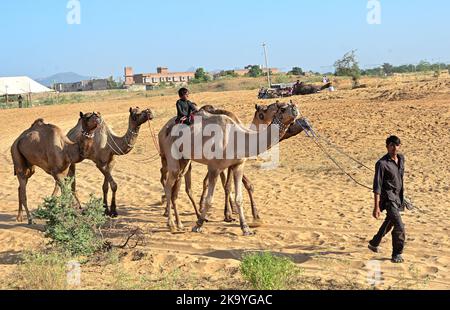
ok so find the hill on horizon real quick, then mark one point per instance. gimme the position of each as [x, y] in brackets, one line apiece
[64, 77]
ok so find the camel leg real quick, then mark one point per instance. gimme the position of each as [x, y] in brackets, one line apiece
[238, 172]
[105, 189]
[113, 185]
[250, 189]
[109, 182]
[175, 192]
[168, 187]
[163, 178]
[72, 171]
[23, 181]
[213, 175]
[188, 187]
[204, 192]
[227, 186]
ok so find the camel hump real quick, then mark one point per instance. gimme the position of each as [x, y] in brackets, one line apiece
[38, 122]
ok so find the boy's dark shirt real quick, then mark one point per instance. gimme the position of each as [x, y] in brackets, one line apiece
[184, 109]
[388, 181]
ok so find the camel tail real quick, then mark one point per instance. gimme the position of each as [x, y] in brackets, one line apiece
[19, 161]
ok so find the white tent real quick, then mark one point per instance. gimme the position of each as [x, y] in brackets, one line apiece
[20, 85]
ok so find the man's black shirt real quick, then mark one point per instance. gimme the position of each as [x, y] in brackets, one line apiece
[388, 181]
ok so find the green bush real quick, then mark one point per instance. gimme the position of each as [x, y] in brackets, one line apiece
[265, 271]
[71, 229]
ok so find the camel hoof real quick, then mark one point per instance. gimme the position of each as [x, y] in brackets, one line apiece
[166, 214]
[114, 214]
[19, 219]
[180, 227]
[229, 220]
[248, 233]
[30, 222]
[197, 229]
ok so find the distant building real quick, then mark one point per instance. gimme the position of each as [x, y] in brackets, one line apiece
[96, 84]
[162, 75]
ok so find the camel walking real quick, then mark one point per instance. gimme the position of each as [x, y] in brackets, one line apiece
[263, 116]
[176, 168]
[46, 146]
[106, 146]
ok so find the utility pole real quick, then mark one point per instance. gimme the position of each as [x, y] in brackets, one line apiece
[267, 65]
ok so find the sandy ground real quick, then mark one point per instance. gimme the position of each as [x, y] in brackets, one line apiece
[311, 211]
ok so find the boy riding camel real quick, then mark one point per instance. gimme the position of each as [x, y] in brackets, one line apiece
[185, 108]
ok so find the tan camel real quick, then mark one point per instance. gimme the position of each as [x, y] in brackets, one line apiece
[46, 146]
[106, 145]
[176, 168]
[263, 116]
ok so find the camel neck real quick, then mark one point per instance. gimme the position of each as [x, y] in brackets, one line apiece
[265, 139]
[125, 144]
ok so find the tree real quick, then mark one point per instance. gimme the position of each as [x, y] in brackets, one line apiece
[296, 71]
[201, 75]
[388, 69]
[348, 66]
[255, 71]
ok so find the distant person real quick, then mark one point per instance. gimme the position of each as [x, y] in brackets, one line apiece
[388, 191]
[20, 99]
[185, 108]
[296, 87]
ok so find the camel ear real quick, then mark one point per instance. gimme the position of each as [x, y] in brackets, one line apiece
[81, 115]
[257, 107]
[131, 110]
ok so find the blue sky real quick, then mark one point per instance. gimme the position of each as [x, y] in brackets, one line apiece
[215, 34]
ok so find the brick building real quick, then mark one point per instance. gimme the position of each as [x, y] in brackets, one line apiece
[162, 75]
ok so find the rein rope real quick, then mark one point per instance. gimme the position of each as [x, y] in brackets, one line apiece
[153, 135]
[311, 133]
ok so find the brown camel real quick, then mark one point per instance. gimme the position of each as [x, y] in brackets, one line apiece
[176, 168]
[307, 89]
[263, 116]
[46, 146]
[106, 145]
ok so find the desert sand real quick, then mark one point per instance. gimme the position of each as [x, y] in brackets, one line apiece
[312, 213]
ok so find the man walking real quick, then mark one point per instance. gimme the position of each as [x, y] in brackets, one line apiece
[388, 190]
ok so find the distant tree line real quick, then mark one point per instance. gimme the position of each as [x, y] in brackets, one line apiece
[388, 69]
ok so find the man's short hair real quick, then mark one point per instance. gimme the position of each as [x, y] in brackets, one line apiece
[393, 139]
[183, 91]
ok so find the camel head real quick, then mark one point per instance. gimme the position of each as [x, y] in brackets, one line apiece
[264, 114]
[138, 117]
[285, 116]
[90, 122]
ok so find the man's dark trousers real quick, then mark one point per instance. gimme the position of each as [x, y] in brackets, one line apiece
[393, 219]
